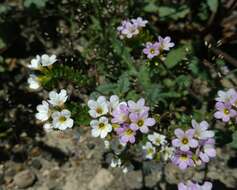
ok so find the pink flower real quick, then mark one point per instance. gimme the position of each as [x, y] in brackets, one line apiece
[151, 49]
[225, 111]
[126, 134]
[183, 159]
[140, 121]
[185, 139]
[209, 150]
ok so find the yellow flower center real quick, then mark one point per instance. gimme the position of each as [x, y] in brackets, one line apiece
[185, 141]
[152, 51]
[226, 111]
[101, 126]
[62, 119]
[184, 157]
[129, 132]
[140, 123]
[149, 151]
[158, 141]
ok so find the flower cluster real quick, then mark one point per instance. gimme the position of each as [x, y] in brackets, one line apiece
[38, 64]
[157, 48]
[157, 146]
[53, 113]
[131, 28]
[194, 146]
[195, 186]
[226, 106]
[120, 124]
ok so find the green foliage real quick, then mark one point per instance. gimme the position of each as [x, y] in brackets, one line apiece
[66, 73]
[175, 56]
[37, 3]
[173, 13]
[234, 140]
[213, 5]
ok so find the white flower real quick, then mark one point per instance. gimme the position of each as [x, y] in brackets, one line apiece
[47, 60]
[98, 107]
[113, 103]
[149, 150]
[107, 144]
[58, 99]
[34, 82]
[130, 30]
[43, 111]
[100, 127]
[62, 120]
[138, 106]
[165, 43]
[139, 22]
[201, 131]
[157, 139]
[167, 152]
[35, 63]
[117, 147]
[225, 96]
[127, 167]
[48, 127]
[113, 161]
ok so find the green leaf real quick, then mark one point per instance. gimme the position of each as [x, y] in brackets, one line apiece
[151, 8]
[143, 77]
[123, 83]
[4, 9]
[234, 140]
[2, 44]
[174, 57]
[173, 13]
[183, 80]
[36, 3]
[106, 89]
[213, 5]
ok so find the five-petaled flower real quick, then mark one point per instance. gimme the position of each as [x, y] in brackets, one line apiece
[185, 139]
[100, 127]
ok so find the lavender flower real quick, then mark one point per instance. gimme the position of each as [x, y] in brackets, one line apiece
[185, 139]
[140, 121]
[165, 43]
[139, 22]
[126, 134]
[194, 186]
[233, 100]
[151, 49]
[183, 159]
[225, 111]
[208, 150]
[120, 114]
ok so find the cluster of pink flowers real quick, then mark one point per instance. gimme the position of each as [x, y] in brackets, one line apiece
[195, 186]
[131, 28]
[226, 106]
[155, 49]
[194, 146]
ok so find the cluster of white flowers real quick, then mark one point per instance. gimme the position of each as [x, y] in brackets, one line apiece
[37, 64]
[157, 145]
[53, 113]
